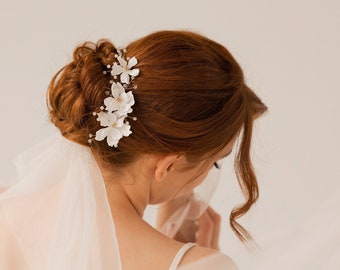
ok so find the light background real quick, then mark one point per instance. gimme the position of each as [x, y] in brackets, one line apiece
[289, 51]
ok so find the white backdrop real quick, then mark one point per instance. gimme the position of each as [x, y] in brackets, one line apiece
[289, 51]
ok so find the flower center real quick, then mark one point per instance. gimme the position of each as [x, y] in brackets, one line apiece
[114, 125]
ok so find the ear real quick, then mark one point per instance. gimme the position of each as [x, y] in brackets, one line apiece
[163, 166]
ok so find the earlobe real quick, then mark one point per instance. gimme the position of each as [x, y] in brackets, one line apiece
[164, 166]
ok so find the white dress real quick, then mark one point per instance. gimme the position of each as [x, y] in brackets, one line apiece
[217, 261]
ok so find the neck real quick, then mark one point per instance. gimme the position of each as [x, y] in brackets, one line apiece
[126, 199]
[128, 189]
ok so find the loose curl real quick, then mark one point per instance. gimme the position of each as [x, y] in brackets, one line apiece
[191, 98]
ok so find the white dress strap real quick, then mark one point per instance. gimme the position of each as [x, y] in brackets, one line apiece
[179, 256]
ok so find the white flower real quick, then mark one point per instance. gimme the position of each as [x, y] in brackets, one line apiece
[124, 69]
[114, 128]
[119, 104]
[120, 100]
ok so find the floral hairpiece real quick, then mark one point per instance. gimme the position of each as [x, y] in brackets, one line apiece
[118, 104]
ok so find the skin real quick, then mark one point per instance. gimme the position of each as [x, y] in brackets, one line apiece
[156, 179]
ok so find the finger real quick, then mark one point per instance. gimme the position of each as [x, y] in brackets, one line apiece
[216, 218]
[205, 231]
[187, 232]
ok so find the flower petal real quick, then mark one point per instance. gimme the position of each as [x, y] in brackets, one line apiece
[102, 134]
[125, 78]
[111, 104]
[116, 69]
[106, 119]
[123, 110]
[113, 137]
[134, 72]
[117, 89]
[112, 142]
[124, 98]
[131, 99]
[125, 130]
[120, 121]
[122, 61]
[132, 62]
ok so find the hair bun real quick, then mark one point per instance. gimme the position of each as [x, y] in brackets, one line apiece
[69, 104]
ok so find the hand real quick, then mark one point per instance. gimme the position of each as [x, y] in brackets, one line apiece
[204, 231]
[209, 226]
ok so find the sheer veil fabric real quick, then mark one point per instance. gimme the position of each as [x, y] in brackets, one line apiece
[58, 212]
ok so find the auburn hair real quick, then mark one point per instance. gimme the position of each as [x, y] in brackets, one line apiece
[191, 98]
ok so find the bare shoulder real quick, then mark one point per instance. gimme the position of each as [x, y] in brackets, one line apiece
[201, 258]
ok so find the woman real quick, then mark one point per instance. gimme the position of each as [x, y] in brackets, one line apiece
[143, 125]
